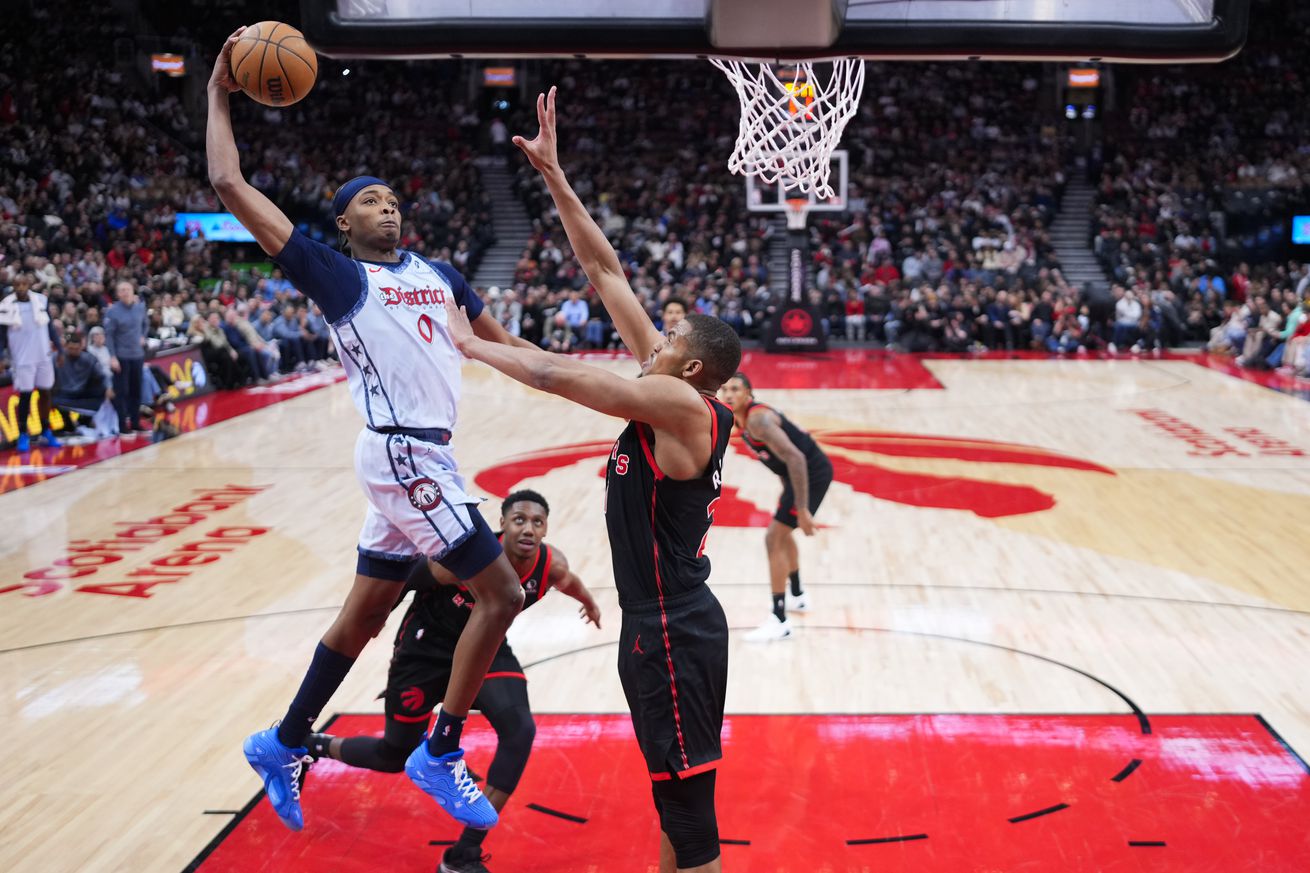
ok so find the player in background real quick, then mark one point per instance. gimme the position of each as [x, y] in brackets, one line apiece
[424, 652]
[28, 338]
[806, 473]
[662, 482]
[388, 319]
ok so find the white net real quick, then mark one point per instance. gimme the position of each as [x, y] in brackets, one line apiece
[791, 123]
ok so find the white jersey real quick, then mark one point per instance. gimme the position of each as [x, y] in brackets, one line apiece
[389, 325]
[29, 328]
[403, 368]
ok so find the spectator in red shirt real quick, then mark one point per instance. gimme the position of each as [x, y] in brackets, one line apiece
[855, 322]
[116, 258]
[1241, 281]
[886, 272]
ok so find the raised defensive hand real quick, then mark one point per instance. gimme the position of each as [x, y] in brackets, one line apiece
[457, 324]
[541, 151]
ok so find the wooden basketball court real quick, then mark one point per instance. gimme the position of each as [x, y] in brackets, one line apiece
[1031, 573]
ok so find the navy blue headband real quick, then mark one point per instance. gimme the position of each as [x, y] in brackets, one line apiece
[347, 192]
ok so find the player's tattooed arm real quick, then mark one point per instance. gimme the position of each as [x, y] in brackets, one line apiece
[568, 583]
[592, 249]
[763, 424]
[264, 220]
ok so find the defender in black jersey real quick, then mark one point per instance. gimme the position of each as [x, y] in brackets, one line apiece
[806, 473]
[663, 480]
[425, 651]
[673, 647]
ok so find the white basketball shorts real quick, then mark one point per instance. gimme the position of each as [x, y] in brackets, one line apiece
[39, 374]
[417, 503]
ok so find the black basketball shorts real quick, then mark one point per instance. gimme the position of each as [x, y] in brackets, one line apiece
[820, 479]
[673, 664]
[420, 672]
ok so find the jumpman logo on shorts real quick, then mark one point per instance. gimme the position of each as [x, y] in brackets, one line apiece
[636, 646]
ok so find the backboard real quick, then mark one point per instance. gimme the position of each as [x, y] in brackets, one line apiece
[774, 198]
[1109, 30]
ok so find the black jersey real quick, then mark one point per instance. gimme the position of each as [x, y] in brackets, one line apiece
[448, 607]
[814, 456]
[657, 525]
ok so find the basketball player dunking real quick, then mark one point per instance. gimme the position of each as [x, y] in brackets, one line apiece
[388, 321]
[421, 662]
[806, 473]
[661, 485]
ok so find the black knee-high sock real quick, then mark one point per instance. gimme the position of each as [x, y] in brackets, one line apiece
[43, 409]
[795, 583]
[372, 753]
[24, 408]
[321, 681]
[471, 837]
[780, 606]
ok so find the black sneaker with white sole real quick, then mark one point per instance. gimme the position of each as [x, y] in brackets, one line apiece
[464, 859]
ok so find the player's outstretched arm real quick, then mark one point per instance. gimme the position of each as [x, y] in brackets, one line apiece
[568, 583]
[764, 425]
[265, 221]
[664, 402]
[593, 250]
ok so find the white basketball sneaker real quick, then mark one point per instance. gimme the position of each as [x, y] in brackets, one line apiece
[771, 630]
[798, 603]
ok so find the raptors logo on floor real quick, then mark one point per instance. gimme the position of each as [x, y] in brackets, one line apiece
[854, 454]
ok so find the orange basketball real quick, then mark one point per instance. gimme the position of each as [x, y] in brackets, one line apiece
[273, 64]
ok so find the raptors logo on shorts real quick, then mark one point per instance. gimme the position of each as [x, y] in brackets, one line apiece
[424, 493]
[412, 698]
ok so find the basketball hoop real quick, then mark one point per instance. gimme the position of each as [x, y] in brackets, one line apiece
[790, 125]
[798, 210]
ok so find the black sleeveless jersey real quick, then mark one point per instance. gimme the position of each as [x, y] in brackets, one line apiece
[448, 607]
[814, 456]
[657, 525]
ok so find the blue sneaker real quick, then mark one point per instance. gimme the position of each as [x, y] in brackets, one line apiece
[24, 442]
[50, 439]
[281, 769]
[446, 780]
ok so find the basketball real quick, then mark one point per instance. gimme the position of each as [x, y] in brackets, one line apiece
[273, 64]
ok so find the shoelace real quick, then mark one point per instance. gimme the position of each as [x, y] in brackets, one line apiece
[295, 765]
[463, 784]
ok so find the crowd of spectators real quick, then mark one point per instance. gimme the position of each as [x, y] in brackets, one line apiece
[956, 173]
[944, 243]
[96, 162]
[1202, 169]
[947, 244]
[645, 147]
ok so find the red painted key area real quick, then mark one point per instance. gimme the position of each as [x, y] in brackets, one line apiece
[840, 794]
